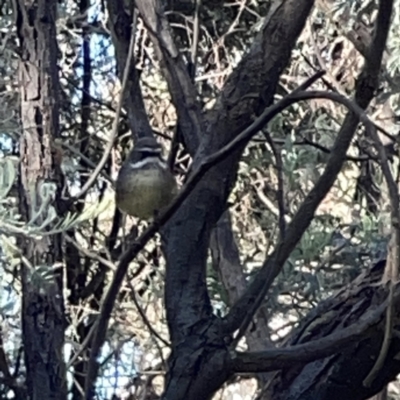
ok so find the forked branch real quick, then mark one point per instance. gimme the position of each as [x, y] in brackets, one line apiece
[111, 295]
[244, 310]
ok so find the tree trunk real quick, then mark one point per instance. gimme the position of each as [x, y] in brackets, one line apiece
[39, 198]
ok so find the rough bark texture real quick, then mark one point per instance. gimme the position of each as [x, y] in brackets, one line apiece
[40, 179]
[226, 262]
[341, 375]
[199, 363]
[202, 359]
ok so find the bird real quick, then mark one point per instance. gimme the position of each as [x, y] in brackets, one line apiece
[145, 184]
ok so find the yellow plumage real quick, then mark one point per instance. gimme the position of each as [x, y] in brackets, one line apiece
[144, 192]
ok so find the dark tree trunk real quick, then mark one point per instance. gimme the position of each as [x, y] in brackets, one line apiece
[201, 356]
[39, 194]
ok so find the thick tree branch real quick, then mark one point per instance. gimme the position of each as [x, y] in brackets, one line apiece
[181, 87]
[366, 86]
[189, 230]
[272, 360]
[252, 300]
[325, 378]
[226, 261]
[198, 174]
[120, 24]
[251, 86]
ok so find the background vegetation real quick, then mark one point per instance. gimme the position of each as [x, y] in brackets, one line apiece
[280, 165]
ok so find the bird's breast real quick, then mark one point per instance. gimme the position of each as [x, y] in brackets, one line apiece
[142, 193]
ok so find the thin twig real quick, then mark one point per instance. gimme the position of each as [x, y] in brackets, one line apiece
[303, 217]
[90, 254]
[114, 131]
[111, 295]
[195, 40]
[153, 333]
[144, 317]
[281, 189]
[393, 259]
[91, 372]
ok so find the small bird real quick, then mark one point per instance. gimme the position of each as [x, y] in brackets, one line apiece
[145, 184]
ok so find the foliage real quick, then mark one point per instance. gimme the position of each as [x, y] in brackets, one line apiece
[345, 236]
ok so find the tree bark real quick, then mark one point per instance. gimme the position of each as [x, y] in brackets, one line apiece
[341, 375]
[120, 23]
[40, 183]
[200, 360]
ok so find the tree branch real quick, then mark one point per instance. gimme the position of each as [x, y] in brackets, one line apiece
[96, 344]
[131, 253]
[181, 87]
[114, 130]
[121, 31]
[272, 360]
[393, 264]
[240, 316]
[249, 89]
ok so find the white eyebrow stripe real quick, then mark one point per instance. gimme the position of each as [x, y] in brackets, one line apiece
[149, 160]
[149, 149]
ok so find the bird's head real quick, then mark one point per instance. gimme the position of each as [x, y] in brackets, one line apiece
[145, 183]
[146, 152]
